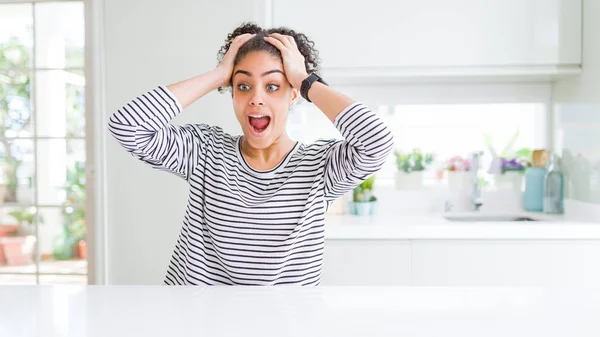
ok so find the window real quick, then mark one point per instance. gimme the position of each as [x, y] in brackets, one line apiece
[446, 120]
[42, 143]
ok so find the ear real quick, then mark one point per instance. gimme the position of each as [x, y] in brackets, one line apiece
[295, 96]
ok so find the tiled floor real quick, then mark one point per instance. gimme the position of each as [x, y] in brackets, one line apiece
[26, 274]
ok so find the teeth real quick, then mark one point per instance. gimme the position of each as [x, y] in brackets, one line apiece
[258, 116]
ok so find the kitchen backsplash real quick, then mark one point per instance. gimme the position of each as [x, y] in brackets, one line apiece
[432, 200]
[577, 116]
[577, 138]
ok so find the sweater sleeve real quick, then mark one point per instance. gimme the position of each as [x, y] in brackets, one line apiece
[142, 127]
[367, 144]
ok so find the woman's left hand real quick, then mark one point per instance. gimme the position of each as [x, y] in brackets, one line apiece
[293, 61]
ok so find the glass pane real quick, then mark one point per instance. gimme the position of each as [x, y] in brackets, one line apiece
[17, 169]
[60, 98]
[16, 118]
[62, 246]
[17, 240]
[16, 279]
[61, 172]
[63, 279]
[450, 130]
[60, 35]
[16, 36]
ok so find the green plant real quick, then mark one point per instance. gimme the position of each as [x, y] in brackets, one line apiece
[74, 226]
[509, 159]
[15, 112]
[413, 161]
[74, 210]
[364, 191]
[509, 152]
[25, 217]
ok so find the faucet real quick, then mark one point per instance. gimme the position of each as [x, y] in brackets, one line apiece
[476, 200]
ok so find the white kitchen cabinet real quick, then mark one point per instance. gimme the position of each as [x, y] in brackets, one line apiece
[462, 263]
[366, 262]
[400, 37]
[505, 262]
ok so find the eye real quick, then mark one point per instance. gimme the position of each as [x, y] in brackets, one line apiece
[272, 87]
[243, 87]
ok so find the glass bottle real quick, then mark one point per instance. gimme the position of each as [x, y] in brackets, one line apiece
[554, 187]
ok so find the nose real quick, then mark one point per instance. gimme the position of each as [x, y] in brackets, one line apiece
[257, 99]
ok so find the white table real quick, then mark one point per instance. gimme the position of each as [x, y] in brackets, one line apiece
[294, 311]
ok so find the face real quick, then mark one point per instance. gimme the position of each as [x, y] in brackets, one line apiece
[262, 97]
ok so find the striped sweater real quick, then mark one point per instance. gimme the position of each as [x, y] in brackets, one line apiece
[244, 226]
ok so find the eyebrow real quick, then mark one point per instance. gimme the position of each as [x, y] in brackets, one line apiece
[239, 71]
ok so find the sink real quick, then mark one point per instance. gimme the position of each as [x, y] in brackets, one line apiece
[487, 217]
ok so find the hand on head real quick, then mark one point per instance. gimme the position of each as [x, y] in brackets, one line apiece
[293, 61]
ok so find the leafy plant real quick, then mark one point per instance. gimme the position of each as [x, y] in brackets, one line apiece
[509, 159]
[413, 161]
[25, 217]
[74, 226]
[74, 211]
[15, 112]
[364, 191]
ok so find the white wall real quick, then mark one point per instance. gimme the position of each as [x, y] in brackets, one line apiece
[148, 43]
[577, 115]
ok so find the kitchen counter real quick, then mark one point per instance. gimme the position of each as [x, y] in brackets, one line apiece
[351, 227]
[148, 311]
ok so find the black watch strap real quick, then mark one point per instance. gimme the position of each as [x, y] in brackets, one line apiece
[307, 83]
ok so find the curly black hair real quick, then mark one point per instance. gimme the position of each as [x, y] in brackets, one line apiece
[305, 46]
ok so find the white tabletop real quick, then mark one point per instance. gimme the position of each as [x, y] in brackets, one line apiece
[294, 311]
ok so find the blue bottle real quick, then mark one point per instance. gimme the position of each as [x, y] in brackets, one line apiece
[554, 187]
[533, 197]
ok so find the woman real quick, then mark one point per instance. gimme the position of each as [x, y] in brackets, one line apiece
[257, 202]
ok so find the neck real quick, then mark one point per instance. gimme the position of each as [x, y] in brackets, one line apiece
[269, 157]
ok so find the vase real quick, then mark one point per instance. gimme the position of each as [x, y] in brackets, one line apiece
[363, 208]
[18, 250]
[510, 180]
[408, 181]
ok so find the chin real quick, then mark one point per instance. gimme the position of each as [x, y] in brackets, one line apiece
[262, 142]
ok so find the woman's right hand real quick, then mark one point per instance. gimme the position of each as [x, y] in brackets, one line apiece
[226, 65]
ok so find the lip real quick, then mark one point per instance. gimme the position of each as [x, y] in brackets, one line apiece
[257, 113]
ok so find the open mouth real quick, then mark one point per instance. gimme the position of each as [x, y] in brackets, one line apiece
[259, 124]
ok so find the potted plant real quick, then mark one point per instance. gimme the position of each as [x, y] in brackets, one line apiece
[512, 173]
[71, 242]
[6, 230]
[15, 113]
[508, 166]
[19, 245]
[410, 167]
[457, 169]
[363, 200]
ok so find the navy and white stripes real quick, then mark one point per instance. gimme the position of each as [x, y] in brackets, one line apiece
[243, 226]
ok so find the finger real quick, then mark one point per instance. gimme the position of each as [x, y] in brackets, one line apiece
[241, 39]
[292, 40]
[277, 43]
[282, 38]
[246, 37]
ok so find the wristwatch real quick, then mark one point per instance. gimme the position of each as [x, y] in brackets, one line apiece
[307, 83]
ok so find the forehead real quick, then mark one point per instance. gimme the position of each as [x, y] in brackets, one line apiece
[259, 61]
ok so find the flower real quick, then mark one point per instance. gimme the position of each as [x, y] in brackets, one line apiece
[458, 163]
[514, 164]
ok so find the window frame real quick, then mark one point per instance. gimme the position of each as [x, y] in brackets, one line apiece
[92, 70]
